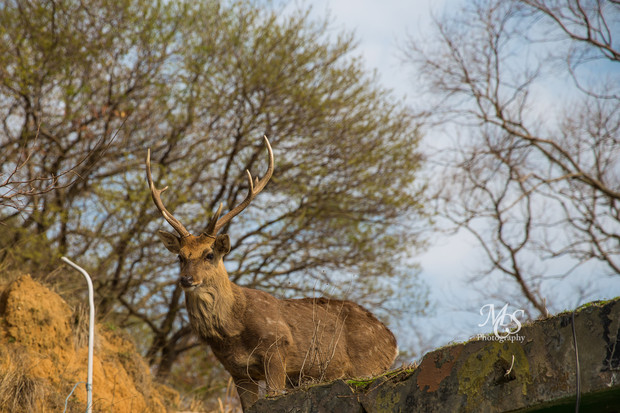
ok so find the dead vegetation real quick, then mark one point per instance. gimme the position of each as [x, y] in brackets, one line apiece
[43, 357]
[19, 388]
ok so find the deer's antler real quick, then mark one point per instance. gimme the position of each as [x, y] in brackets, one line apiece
[156, 195]
[255, 187]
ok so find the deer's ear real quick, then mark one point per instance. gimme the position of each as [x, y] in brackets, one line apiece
[171, 241]
[222, 244]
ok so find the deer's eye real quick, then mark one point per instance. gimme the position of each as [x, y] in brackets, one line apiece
[209, 256]
[181, 260]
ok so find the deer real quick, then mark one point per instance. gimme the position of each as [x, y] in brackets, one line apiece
[258, 337]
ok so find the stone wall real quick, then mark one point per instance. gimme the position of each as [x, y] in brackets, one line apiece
[480, 375]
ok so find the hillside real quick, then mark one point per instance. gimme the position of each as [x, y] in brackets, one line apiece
[43, 356]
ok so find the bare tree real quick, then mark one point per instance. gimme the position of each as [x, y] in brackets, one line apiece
[533, 171]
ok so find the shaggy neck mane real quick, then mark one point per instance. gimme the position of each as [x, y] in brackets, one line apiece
[210, 309]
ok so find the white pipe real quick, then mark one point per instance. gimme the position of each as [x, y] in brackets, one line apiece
[91, 333]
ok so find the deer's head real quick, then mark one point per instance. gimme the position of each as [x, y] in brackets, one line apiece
[201, 256]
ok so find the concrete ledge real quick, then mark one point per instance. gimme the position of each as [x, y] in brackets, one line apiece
[472, 376]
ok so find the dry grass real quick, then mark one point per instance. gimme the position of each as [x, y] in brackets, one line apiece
[80, 325]
[229, 403]
[318, 354]
[19, 391]
[317, 357]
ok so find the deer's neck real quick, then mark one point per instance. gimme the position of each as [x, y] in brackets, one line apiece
[211, 308]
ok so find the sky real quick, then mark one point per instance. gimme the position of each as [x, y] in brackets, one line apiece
[381, 28]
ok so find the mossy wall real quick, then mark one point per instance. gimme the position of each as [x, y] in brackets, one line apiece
[537, 374]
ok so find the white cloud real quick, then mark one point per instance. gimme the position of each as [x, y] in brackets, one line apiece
[379, 28]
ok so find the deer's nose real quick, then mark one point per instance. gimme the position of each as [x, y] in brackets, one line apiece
[187, 281]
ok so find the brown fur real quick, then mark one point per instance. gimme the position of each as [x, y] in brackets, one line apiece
[255, 335]
[283, 342]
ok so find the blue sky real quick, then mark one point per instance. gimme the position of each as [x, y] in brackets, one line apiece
[381, 28]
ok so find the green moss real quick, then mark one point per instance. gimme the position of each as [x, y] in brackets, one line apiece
[360, 384]
[387, 401]
[364, 383]
[479, 366]
[597, 303]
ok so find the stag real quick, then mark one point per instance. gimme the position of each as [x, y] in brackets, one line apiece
[258, 337]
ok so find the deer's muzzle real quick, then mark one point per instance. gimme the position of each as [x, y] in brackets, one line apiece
[188, 282]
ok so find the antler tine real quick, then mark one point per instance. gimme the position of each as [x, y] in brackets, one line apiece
[210, 231]
[156, 195]
[254, 188]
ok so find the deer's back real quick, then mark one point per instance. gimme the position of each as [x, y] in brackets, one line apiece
[340, 337]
